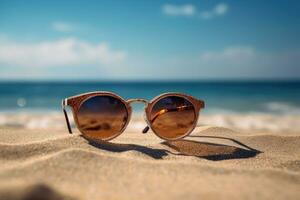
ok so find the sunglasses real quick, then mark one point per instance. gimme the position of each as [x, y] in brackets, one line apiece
[105, 115]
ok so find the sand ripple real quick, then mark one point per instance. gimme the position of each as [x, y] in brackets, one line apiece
[212, 163]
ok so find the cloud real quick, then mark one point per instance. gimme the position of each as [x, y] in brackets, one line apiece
[234, 54]
[246, 61]
[191, 11]
[179, 10]
[63, 52]
[238, 62]
[219, 10]
[62, 27]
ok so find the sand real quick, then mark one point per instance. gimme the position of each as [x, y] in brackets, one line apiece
[213, 163]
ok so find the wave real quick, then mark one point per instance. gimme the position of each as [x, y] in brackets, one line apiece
[283, 108]
[245, 121]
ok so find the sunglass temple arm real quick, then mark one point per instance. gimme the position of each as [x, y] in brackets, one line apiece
[146, 129]
[63, 105]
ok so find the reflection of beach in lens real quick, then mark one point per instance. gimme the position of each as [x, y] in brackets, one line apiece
[172, 117]
[102, 117]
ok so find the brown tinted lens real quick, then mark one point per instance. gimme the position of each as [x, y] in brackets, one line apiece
[102, 117]
[172, 117]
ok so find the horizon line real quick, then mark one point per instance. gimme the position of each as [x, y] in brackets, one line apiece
[150, 80]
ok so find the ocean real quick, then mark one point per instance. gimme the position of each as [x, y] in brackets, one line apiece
[273, 97]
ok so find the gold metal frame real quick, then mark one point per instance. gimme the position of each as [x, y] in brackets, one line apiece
[76, 101]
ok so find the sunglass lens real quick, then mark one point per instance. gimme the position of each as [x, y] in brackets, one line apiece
[172, 117]
[102, 117]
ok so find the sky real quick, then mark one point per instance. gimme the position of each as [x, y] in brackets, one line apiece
[149, 40]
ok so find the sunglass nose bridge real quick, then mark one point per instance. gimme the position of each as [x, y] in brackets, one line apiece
[138, 101]
[146, 129]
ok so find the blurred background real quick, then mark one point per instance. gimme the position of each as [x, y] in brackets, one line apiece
[241, 57]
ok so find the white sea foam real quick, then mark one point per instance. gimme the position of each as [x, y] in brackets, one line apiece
[281, 107]
[26, 120]
[55, 120]
[254, 121]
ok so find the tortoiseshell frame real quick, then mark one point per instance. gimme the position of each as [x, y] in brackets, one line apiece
[76, 101]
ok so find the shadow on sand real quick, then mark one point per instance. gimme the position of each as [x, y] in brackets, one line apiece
[185, 147]
[117, 147]
[212, 151]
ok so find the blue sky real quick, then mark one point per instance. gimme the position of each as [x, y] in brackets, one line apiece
[138, 40]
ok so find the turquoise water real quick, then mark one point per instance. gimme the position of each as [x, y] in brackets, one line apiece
[220, 97]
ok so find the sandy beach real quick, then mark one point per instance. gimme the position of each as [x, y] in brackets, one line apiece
[225, 73]
[213, 163]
